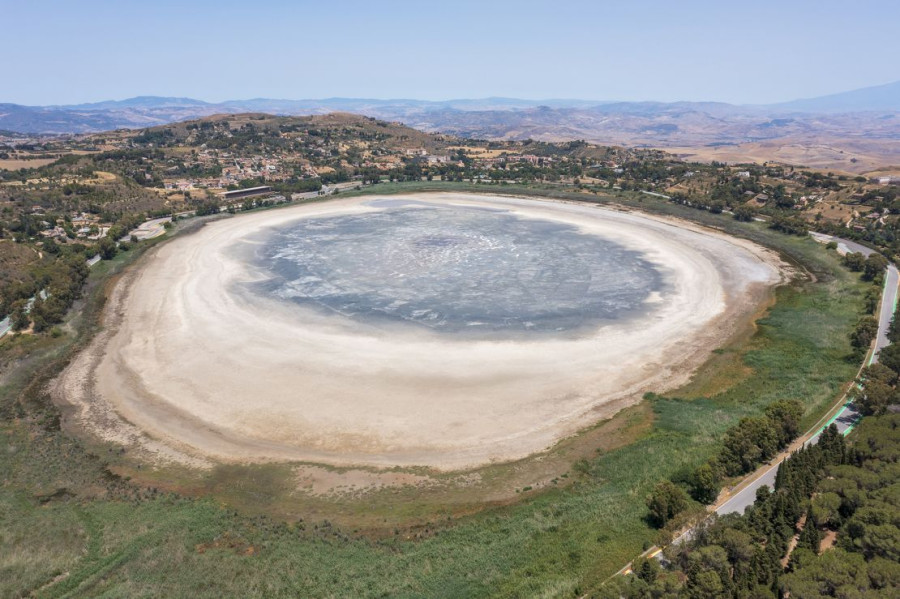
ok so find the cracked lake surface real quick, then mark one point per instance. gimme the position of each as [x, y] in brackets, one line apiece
[455, 269]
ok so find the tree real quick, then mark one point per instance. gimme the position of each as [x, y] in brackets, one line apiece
[39, 319]
[866, 330]
[832, 445]
[810, 536]
[874, 266]
[108, 248]
[884, 574]
[824, 510]
[705, 585]
[855, 261]
[877, 540]
[19, 316]
[782, 199]
[708, 573]
[752, 441]
[890, 356]
[877, 390]
[705, 484]
[835, 573]
[737, 544]
[791, 226]
[785, 415]
[894, 330]
[665, 502]
[743, 214]
[647, 569]
[207, 208]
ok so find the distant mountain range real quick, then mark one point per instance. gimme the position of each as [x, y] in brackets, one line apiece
[878, 98]
[464, 116]
[148, 111]
[855, 131]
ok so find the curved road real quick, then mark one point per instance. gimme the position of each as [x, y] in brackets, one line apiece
[149, 229]
[845, 417]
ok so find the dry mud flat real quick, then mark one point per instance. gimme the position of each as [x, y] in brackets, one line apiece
[191, 371]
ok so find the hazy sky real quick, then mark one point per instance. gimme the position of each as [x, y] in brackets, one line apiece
[66, 51]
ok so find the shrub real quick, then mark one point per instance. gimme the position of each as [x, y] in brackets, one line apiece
[665, 502]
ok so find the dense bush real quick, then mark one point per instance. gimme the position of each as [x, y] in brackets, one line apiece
[207, 208]
[665, 502]
[830, 486]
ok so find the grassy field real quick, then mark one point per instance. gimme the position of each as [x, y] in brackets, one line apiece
[69, 527]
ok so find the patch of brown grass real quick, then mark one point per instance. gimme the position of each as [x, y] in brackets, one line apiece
[376, 510]
[13, 164]
[229, 542]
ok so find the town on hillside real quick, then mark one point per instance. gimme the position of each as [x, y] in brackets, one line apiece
[70, 199]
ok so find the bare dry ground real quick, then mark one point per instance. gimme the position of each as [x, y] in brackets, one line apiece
[838, 155]
[190, 373]
[13, 164]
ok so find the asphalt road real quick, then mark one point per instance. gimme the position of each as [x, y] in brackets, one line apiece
[848, 415]
[845, 418]
[888, 306]
[149, 229]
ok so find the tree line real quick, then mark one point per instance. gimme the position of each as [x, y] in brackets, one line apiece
[830, 527]
[752, 441]
[50, 287]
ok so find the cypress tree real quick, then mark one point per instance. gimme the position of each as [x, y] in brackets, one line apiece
[781, 474]
[810, 536]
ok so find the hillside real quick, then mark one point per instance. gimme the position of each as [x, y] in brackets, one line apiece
[123, 173]
[850, 142]
[855, 131]
[337, 126]
[145, 111]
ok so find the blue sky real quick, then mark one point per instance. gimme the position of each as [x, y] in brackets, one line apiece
[60, 52]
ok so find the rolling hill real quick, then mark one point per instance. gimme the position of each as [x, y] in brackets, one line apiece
[143, 111]
[852, 131]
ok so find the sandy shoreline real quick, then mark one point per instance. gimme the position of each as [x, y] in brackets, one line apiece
[192, 372]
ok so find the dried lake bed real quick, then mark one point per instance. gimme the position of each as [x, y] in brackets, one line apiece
[439, 330]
